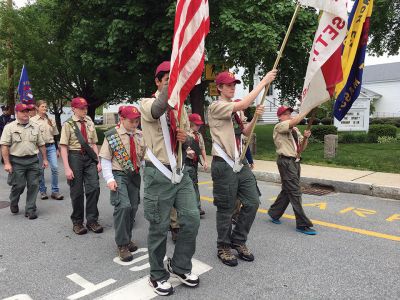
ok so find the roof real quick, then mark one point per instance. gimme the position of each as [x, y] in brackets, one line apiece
[370, 94]
[382, 73]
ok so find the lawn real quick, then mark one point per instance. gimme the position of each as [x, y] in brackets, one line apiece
[374, 157]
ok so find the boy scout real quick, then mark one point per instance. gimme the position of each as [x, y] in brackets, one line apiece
[79, 154]
[49, 130]
[193, 157]
[121, 154]
[164, 189]
[19, 146]
[287, 139]
[231, 182]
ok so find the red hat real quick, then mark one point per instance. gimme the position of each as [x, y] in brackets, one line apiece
[226, 77]
[120, 109]
[196, 119]
[79, 102]
[165, 66]
[22, 107]
[282, 109]
[129, 112]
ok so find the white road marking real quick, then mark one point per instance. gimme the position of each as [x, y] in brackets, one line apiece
[19, 297]
[88, 287]
[141, 290]
[140, 250]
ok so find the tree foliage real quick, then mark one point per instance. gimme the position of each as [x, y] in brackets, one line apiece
[385, 28]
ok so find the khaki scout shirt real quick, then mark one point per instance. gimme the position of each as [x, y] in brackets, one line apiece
[192, 134]
[48, 131]
[283, 139]
[107, 153]
[221, 126]
[152, 131]
[23, 139]
[69, 138]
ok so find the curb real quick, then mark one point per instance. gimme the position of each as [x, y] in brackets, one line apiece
[339, 186]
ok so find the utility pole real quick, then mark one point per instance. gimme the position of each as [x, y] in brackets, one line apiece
[10, 70]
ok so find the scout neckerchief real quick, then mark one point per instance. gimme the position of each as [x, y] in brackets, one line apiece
[296, 140]
[83, 140]
[238, 127]
[197, 141]
[119, 151]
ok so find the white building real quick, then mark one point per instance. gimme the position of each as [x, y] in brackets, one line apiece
[384, 80]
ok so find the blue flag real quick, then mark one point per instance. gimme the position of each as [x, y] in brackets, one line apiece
[24, 88]
[353, 57]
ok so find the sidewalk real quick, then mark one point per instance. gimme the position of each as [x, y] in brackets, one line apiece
[386, 185]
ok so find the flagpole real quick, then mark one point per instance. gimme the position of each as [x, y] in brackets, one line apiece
[309, 124]
[269, 84]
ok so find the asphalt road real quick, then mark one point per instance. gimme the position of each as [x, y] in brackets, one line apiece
[356, 254]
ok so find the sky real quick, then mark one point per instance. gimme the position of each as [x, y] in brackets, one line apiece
[369, 60]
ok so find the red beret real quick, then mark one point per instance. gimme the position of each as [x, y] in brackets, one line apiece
[165, 66]
[196, 119]
[129, 112]
[79, 102]
[22, 107]
[282, 109]
[226, 77]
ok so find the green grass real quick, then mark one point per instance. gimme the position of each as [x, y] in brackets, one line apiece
[374, 157]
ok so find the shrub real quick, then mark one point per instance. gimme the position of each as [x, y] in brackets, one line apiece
[353, 138]
[249, 113]
[387, 140]
[321, 130]
[303, 122]
[382, 130]
[316, 121]
[390, 121]
[326, 121]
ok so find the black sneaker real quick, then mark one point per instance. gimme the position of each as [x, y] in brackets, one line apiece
[14, 209]
[188, 279]
[132, 247]
[243, 252]
[226, 256]
[31, 215]
[162, 287]
[95, 227]
[306, 230]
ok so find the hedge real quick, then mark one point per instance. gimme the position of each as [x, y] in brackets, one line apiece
[354, 138]
[389, 121]
[320, 131]
[378, 130]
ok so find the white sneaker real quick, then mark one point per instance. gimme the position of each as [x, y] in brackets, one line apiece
[188, 279]
[162, 287]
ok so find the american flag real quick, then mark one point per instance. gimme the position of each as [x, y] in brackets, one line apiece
[192, 24]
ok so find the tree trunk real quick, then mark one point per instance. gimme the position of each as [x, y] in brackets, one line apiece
[197, 99]
[252, 70]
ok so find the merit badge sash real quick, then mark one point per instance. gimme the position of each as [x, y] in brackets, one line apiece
[119, 151]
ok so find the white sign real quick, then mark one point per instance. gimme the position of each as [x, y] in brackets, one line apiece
[357, 119]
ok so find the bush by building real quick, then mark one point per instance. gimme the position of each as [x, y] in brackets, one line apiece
[379, 130]
[389, 121]
[320, 131]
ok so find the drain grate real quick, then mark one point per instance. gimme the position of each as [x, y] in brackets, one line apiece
[4, 204]
[317, 190]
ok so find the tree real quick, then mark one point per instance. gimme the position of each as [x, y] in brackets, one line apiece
[385, 28]
[249, 34]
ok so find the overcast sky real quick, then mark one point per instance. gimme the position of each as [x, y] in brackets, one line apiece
[369, 60]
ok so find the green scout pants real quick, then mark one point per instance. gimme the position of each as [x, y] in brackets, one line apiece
[85, 175]
[126, 202]
[289, 170]
[192, 171]
[160, 195]
[26, 172]
[228, 187]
